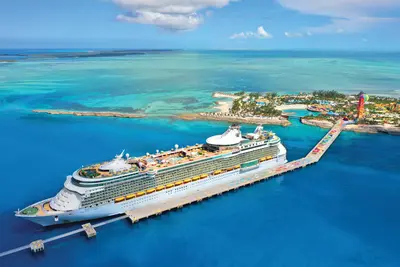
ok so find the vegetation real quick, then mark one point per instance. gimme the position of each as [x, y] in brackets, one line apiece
[242, 93]
[328, 95]
[240, 106]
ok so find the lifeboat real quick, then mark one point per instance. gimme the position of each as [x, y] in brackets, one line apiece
[236, 167]
[269, 157]
[169, 185]
[119, 199]
[217, 172]
[195, 178]
[130, 196]
[229, 169]
[188, 180]
[151, 190]
[160, 187]
[203, 175]
[139, 194]
[178, 183]
[262, 159]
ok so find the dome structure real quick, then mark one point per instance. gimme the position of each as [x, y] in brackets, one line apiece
[232, 136]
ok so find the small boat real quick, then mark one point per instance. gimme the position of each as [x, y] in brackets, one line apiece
[130, 196]
[119, 199]
[217, 172]
[139, 194]
[160, 187]
[178, 183]
[151, 190]
[169, 185]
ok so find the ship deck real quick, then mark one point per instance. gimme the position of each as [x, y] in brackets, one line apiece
[162, 160]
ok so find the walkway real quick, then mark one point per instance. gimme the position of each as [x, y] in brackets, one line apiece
[155, 209]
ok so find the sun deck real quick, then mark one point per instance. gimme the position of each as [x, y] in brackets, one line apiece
[232, 141]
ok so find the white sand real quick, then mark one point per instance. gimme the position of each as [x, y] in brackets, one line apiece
[223, 106]
[292, 106]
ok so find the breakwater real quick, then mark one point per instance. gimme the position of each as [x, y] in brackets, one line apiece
[90, 113]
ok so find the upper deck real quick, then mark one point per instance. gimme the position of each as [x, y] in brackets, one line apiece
[121, 165]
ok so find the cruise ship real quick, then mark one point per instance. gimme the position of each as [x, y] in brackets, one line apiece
[126, 183]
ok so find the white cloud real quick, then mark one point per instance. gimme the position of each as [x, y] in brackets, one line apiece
[175, 22]
[260, 33]
[293, 34]
[176, 15]
[346, 15]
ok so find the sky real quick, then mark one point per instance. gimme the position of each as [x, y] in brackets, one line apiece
[201, 24]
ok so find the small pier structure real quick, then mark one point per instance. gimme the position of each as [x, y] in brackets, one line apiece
[89, 229]
[37, 246]
[158, 208]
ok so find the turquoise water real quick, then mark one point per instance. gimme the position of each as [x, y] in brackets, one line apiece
[171, 83]
[342, 211]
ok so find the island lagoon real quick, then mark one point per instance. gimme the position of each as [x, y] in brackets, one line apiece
[339, 212]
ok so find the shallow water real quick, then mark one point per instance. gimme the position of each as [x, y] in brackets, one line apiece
[342, 211]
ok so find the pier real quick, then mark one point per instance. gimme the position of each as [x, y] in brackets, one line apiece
[89, 229]
[158, 208]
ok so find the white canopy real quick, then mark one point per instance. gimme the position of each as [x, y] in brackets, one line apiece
[232, 136]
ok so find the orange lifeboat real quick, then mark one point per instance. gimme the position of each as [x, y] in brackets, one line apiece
[160, 187]
[119, 199]
[130, 196]
[178, 183]
[151, 190]
[139, 194]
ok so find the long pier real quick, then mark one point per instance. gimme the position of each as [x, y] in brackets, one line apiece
[158, 208]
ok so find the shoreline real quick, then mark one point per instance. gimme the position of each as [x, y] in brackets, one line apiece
[371, 129]
[89, 113]
[223, 106]
[291, 106]
[226, 118]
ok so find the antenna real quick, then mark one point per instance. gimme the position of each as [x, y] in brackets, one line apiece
[120, 155]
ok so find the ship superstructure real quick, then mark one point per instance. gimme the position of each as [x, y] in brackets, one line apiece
[125, 182]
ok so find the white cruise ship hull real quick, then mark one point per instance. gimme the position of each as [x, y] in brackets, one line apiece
[111, 209]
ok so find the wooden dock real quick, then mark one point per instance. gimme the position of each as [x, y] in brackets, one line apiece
[158, 208]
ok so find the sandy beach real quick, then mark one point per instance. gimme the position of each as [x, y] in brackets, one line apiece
[223, 106]
[291, 106]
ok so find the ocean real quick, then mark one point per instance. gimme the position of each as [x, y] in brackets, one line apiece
[342, 211]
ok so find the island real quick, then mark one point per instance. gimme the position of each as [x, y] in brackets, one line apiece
[90, 113]
[362, 113]
[250, 108]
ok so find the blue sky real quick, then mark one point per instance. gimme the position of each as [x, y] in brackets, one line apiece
[201, 24]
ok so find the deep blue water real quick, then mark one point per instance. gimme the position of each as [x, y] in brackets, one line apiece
[341, 212]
